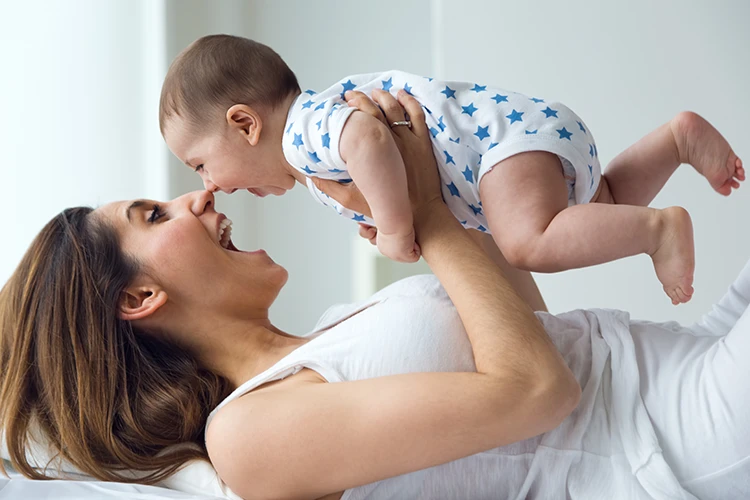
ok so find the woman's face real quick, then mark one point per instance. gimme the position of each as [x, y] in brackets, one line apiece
[180, 247]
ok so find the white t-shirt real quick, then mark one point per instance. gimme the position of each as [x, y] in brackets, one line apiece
[605, 449]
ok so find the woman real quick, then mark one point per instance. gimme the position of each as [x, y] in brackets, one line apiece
[124, 327]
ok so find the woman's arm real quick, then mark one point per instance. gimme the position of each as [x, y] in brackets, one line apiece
[306, 439]
[521, 281]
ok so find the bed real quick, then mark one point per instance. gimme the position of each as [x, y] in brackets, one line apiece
[195, 481]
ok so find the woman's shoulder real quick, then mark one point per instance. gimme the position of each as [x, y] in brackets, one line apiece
[424, 287]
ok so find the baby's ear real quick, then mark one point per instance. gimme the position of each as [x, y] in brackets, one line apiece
[246, 121]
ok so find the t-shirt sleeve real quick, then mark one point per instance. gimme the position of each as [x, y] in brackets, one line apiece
[725, 313]
[311, 139]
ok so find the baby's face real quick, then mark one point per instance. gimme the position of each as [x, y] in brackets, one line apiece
[226, 162]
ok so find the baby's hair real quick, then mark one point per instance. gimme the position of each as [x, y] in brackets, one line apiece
[217, 71]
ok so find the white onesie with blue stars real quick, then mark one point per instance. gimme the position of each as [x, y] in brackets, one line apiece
[473, 128]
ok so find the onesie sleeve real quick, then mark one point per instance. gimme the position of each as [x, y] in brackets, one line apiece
[725, 313]
[312, 136]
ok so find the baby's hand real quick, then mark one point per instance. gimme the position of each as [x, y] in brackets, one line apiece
[399, 247]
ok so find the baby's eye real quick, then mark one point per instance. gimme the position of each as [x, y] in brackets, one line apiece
[199, 168]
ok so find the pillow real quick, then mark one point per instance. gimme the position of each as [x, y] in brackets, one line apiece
[197, 477]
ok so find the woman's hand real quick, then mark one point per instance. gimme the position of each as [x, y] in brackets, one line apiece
[415, 148]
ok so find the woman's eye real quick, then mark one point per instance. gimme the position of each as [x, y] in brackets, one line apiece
[156, 214]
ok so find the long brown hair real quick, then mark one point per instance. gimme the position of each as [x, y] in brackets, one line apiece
[109, 398]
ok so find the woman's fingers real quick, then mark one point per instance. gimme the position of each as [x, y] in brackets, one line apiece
[348, 195]
[362, 102]
[415, 112]
[392, 109]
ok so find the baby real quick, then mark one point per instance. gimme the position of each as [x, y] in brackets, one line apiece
[524, 169]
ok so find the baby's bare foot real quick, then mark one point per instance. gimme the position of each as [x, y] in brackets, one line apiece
[702, 146]
[674, 258]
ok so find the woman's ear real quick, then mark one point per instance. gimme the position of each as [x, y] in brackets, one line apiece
[138, 302]
[247, 121]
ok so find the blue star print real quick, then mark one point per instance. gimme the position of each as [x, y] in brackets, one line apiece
[348, 85]
[448, 158]
[591, 150]
[482, 132]
[482, 228]
[453, 189]
[564, 134]
[449, 92]
[298, 140]
[441, 124]
[515, 116]
[457, 140]
[387, 84]
[492, 145]
[313, 156]
[580, 125]
[407, 89]
[549, 112]
[326, 138]
[307, 104]
[536, 100]
[479, 88]
[335, 170]
[310, 92]
[308, 170]
[469, 110]
[530, 132]
[500, 98]
[320, 106]
[319, 124]
[468, 174]
[476, 210]
[358, 218]
[434, 132]
[289, 127]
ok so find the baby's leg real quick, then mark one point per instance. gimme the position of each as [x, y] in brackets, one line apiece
[525, 201]
[637, 174]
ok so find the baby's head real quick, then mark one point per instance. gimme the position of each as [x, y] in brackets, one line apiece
[223, 102]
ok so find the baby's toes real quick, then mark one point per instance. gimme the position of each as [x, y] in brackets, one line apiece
[672, 293]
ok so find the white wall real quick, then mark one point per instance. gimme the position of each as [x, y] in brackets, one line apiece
[74, 120]
[625, 68]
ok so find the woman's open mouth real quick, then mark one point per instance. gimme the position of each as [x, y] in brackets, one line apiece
[225, 235]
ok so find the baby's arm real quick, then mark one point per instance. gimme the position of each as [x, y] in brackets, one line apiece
[376, 167]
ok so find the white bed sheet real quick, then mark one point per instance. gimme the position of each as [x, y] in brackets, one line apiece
[196, 481]
[20, 488]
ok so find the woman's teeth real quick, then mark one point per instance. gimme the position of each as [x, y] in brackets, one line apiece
[225, 232]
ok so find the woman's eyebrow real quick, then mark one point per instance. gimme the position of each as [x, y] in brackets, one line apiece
[135, 204]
